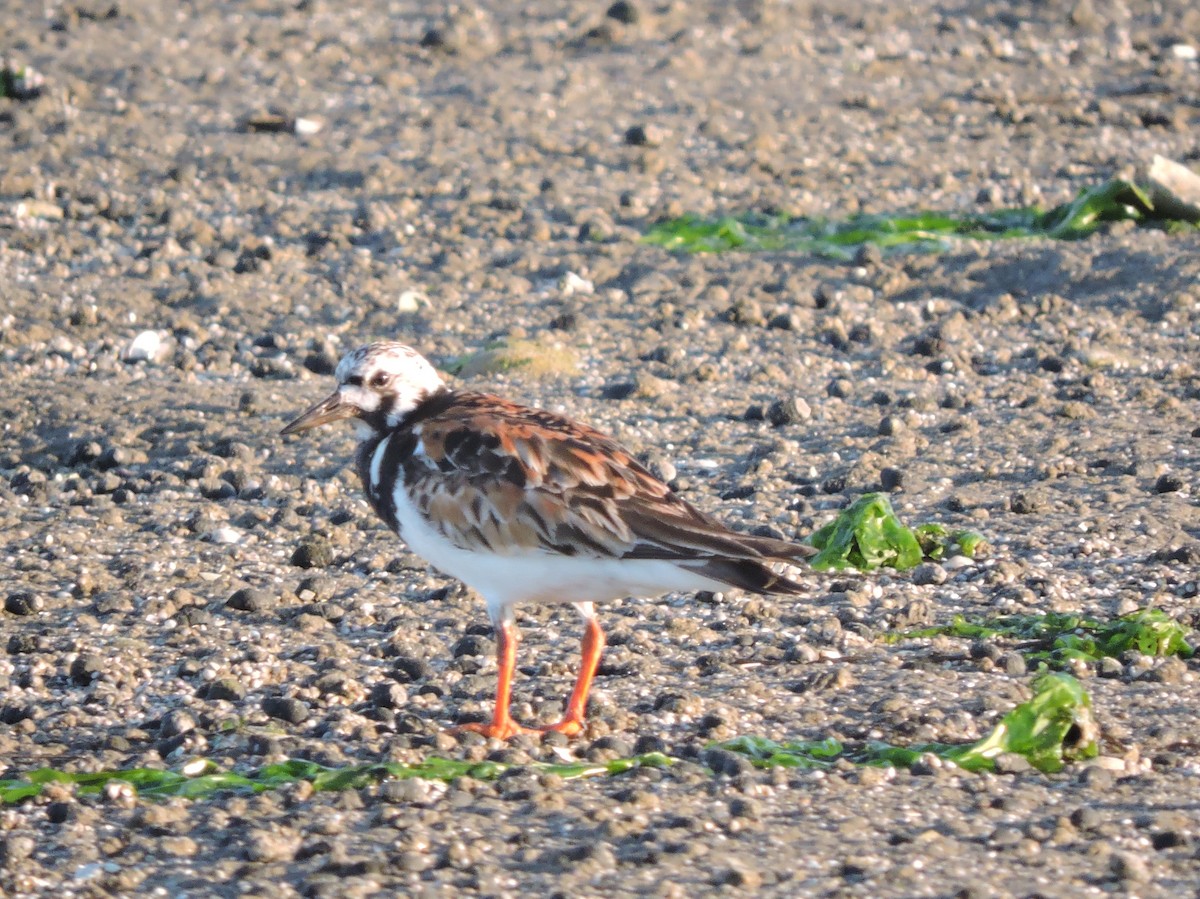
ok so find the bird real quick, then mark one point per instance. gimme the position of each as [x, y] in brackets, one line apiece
[527, 506]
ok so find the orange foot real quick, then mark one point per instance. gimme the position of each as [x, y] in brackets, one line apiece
[570, 726]
[496, 730]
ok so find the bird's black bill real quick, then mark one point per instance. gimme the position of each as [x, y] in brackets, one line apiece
[332, 408]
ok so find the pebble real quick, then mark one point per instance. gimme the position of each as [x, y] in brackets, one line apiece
[928, 573]
[1168, 483]
[791, 410]
[251, 599]
[228, 689]
[175, 723]
[22, 602]
[293, 711]
[315, 552]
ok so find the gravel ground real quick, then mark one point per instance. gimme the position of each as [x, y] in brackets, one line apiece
[485, 177]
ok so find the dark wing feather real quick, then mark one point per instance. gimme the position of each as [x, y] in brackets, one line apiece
[490, 473]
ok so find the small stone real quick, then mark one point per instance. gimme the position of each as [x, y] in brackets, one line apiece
[644, 136]
[929, 573]
[1130, 867]
[841, 388]
[739, 876]
[472, 645]
[1025, 503]
[408, 669]
[293, 711]
[891, 479]
[175, 723]
[1012, 763]
[624, 12]
[14, 849]
[228, 689]
[891, 425]
[87, 668]
[618, 391]
[389, 695]
[314, 587]
[722, 761]
[868, 255]
[251, 599]
[1168, 483]
[314, 552]
[1014, 664]
[23, 602]
[322, 360]
[270, 845]
[788, 411]
[1169, 839]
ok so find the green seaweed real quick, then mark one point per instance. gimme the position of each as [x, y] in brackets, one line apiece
[1111, 201]
[1054, 727]
[1058, 639]
[209, 779]
[867, 535]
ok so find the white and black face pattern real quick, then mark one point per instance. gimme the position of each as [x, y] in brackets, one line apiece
[385, 382]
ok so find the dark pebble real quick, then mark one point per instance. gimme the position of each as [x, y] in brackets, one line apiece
[87, 668]
[891, 479]
[389, 695]
[890, 426]
[722, 761]
[293, 711]
[229, 689]
[842, 388]
[472, 645]
[1169, 839]
[1025, 503]
[406, 669]
[315, 586]
[176, 722]
[251, 599]
[791, 410]
[929, 573]
[1168, 483]
[619, 391]
[193, 615]
[625, 12]
[13, 713]
[23, 603]
[59, 812]
[313, 553]
[22, 644]
[643, 136]
[649, 743]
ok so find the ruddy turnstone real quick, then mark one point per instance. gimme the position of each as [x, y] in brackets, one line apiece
[527, 506]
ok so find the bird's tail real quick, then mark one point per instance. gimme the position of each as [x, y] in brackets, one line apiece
[746, 574]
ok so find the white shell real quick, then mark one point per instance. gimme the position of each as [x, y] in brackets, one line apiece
[146, 347]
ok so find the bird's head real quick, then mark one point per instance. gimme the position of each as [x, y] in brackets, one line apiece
[378, 384]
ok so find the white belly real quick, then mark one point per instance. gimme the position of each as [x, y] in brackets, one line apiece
[506, 580]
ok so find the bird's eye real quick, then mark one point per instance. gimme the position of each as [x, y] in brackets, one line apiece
[381, 379]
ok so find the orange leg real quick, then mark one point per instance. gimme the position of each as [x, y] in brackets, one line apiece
[502, 725]
[592, 647]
